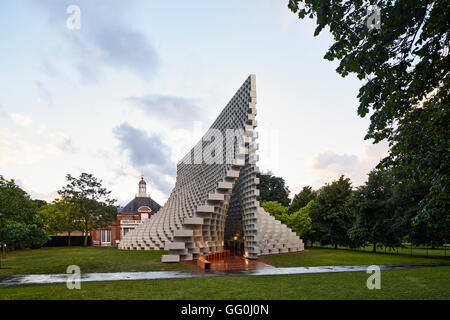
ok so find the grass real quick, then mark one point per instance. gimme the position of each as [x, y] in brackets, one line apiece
[332, 257]
[423, 283]
[57, 259]
[443, 251]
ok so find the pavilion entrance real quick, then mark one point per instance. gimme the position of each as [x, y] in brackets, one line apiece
[236, 247]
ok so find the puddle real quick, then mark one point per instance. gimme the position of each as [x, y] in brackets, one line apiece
[61, 278]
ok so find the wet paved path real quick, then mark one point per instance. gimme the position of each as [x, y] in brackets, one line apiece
[233, 263]
[62, 278]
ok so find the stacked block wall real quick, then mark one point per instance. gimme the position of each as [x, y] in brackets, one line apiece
[211, 198]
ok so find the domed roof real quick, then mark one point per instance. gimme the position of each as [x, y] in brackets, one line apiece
[142, 181]
[134, 205]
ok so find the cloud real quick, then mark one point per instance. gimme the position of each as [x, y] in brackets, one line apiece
[173, 110]
[329, 165]
[104, 40]
[48, 67]
[329, 159]
[21, 120]
[49, 197]
[44, 94]
[281, 16]
[17, 151]
[31, 143]
[3, 114]
[148, 154]
[124, 48]
[67, 145]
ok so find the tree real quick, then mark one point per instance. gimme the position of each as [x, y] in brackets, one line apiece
[431, 232]
[300, 221]
[331, 216]
[385, 210]
[15, 203]
[405, 67]
[273, 188]
[18, 235]
[62, 215]
[407, 196]
[302, 199]
[376, 220]
[95, 207]
[277, 210]
[421, 150]
[19, 225]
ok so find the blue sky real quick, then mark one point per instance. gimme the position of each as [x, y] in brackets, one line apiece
[134, 88]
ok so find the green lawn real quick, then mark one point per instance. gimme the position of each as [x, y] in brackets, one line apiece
[332, 257]
[57, 259]
[443, 251]
[423, 283]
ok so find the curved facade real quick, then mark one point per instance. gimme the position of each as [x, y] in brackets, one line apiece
[214, 198]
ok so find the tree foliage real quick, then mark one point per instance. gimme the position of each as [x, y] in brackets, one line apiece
[302, 198]
[19, 225]
[95, 207]
[62, 215]
[272, 188]
[15, 203]
[277, 210]
[300, 221]
[376, 220]
[407, 196]
[332, 217]
[404, 67]
[382, 212]
[18, 235]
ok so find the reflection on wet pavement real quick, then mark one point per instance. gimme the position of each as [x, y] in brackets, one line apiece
[233, 263]
[61, 278]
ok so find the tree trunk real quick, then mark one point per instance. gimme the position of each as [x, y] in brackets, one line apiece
[3, 251]
[335, 245]
[86, 232]
[68, 239]
[374, 250]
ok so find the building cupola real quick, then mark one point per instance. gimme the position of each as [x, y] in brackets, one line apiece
[142, 188]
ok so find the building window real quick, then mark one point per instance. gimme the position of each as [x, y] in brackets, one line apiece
[106, 236]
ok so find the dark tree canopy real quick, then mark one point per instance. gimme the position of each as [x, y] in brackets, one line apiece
[331, 214]
[376, 221]
[404, 67]
[19, 225]
[302, 198]
[382, 212]
[273, 188]
[15, 203]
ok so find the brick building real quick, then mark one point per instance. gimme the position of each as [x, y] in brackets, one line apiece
[133, 214]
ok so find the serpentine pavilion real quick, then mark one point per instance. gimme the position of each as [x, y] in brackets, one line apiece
[214, 205]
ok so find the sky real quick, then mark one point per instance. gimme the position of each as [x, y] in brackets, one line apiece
[134, 88]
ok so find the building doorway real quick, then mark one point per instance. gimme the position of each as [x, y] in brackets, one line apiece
[236, 247]
[106, 237]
